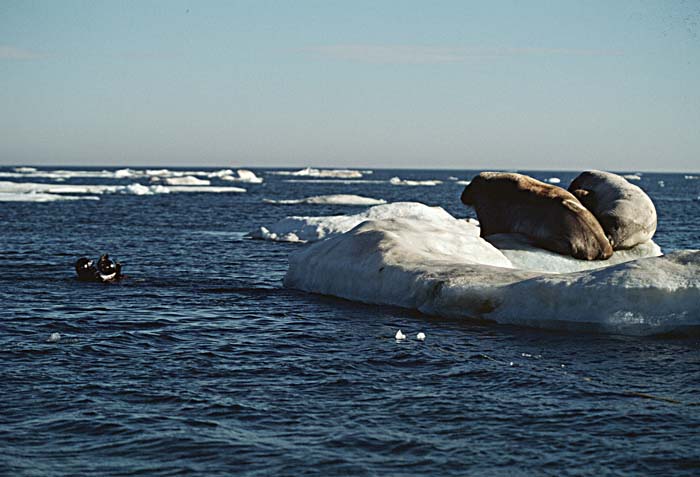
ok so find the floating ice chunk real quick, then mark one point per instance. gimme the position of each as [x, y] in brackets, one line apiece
[632, 177]
[186, 181]
[442, 268]
[311, 172]
[336, 181]
[336, 199]
[25, 170]
[402, 182]
[464, 183]
[311, 229]
[210, 189]
[40, 197]
[244, 175]
[54, 338]
[453, 178]
[399, 336]
[525, 256]
[554, 180]
[420, 336]
[121, 173]
[692, 177]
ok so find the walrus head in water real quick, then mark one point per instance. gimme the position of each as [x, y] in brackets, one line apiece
[550, 216]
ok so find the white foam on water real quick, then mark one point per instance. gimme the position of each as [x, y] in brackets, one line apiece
[186, 181]
[335, 199]
[404, 182]
[311, 229]
[311, 172]
[439, 265]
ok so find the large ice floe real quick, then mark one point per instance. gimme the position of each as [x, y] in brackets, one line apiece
[420, 257]
[334, 199]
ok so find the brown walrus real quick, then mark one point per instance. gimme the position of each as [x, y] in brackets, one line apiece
[548, 215]
[625, 212]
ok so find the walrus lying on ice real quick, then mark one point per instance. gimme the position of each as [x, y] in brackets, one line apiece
[550, 216]
[625, 212]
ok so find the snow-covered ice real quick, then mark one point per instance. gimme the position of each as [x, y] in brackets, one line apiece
[311, 229]
[242, 175]
[336, 199]
[186, 181]
[439, 265]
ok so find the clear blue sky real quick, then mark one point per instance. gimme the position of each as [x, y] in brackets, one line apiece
[454, 84]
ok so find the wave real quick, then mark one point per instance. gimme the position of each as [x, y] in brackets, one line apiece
[335, 199]
[439, 265]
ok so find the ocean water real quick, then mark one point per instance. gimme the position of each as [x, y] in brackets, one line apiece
[201, 363]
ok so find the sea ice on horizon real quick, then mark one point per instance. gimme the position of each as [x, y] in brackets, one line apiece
[243, 175]
[135, 189]
[336, 199]
[312, 172]
[40, 197]
[405, 182]
[439, 265]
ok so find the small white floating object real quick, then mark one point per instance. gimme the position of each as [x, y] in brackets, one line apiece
[420, 336]
[554, 180]
[54, 338]
[400, 336]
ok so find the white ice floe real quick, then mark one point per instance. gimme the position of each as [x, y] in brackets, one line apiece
[554, 180]
[40, 197]
[242, 175]
[692, 177]
[406, 182]
[186, 181]
[632, 177]
[439, 265]
[311, 172]
[420, 336]
[399, 336]
[336, 181]
[136, 189]
[464, 183]
[335, 199]
[311, 229]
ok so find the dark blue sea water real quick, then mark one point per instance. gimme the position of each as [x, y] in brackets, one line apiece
[200, 363]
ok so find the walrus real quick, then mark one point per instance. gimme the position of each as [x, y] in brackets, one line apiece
[548, 215]
[625, 212]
